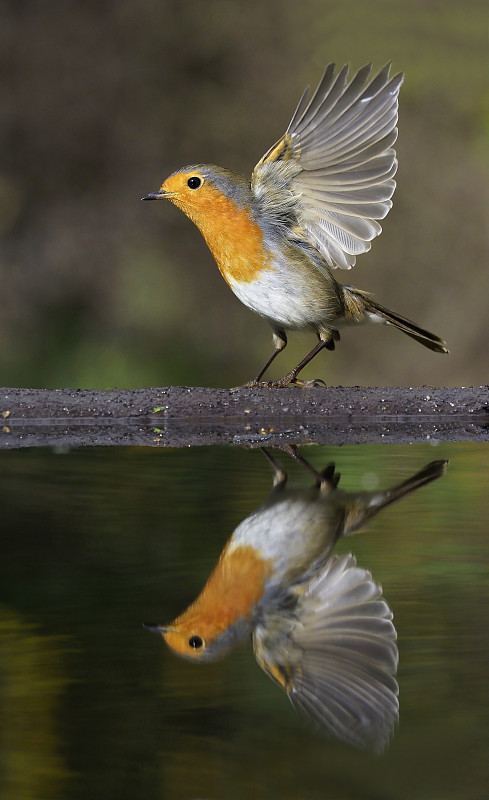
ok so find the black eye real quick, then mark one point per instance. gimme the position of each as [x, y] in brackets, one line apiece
[195, 642]
[194, 183]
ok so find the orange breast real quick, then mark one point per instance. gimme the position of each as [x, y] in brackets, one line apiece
[233, 589]
[234, 239]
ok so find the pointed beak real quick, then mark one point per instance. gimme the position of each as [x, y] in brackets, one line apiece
[159, 195]
[155, 628]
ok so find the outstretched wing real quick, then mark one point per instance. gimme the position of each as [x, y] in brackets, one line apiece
[335, 654]
[341, 143]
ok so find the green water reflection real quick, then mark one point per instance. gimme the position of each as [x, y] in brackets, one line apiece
[95, 542]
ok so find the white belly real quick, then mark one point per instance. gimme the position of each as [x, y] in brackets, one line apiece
[296, 299]
[291, 532]
[274, 301]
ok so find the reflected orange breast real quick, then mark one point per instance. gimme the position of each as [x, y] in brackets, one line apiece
[233, 589]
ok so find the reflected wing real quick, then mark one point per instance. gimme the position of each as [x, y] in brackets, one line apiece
[335, 653]
[341, 142]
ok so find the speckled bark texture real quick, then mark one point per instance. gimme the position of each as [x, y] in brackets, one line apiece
[181, 416]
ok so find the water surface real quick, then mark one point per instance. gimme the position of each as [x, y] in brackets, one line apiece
[97, 541]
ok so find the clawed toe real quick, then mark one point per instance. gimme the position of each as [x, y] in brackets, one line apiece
[253, 385]
[282, 383]
[313, 384]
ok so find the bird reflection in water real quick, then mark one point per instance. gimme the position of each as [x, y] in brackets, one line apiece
[319, 625]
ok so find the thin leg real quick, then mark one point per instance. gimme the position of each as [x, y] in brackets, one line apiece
[327, 479]
[315, 350]
[280, 476]
[327, 339]
[291, 449]
[267, 364]
[292, 375]
[280, 341]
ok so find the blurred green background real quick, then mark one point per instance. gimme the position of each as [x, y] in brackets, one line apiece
[101, 100]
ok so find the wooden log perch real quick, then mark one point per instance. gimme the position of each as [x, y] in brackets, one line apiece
[181, 416]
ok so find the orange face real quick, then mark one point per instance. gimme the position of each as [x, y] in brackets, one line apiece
[185, 643]
[190, 192]
[199, 197]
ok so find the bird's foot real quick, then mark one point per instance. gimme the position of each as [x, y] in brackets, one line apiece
[282, 383]
[251, 385]
[313, 384]
[292, 380]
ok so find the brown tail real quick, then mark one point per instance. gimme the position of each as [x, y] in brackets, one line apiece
[365, 505]
[405, 325]
[432, 471]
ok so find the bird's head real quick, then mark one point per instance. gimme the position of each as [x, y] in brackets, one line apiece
[182, 640]
[223, 613]
[202, 190]
[196, 643]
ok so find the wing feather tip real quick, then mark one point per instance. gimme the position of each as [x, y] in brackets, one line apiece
[372, 136]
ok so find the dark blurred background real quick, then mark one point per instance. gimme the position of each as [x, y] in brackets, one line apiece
[101, 100]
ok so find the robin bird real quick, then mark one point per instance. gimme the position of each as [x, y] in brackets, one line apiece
[318, 623]
[311, 207]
